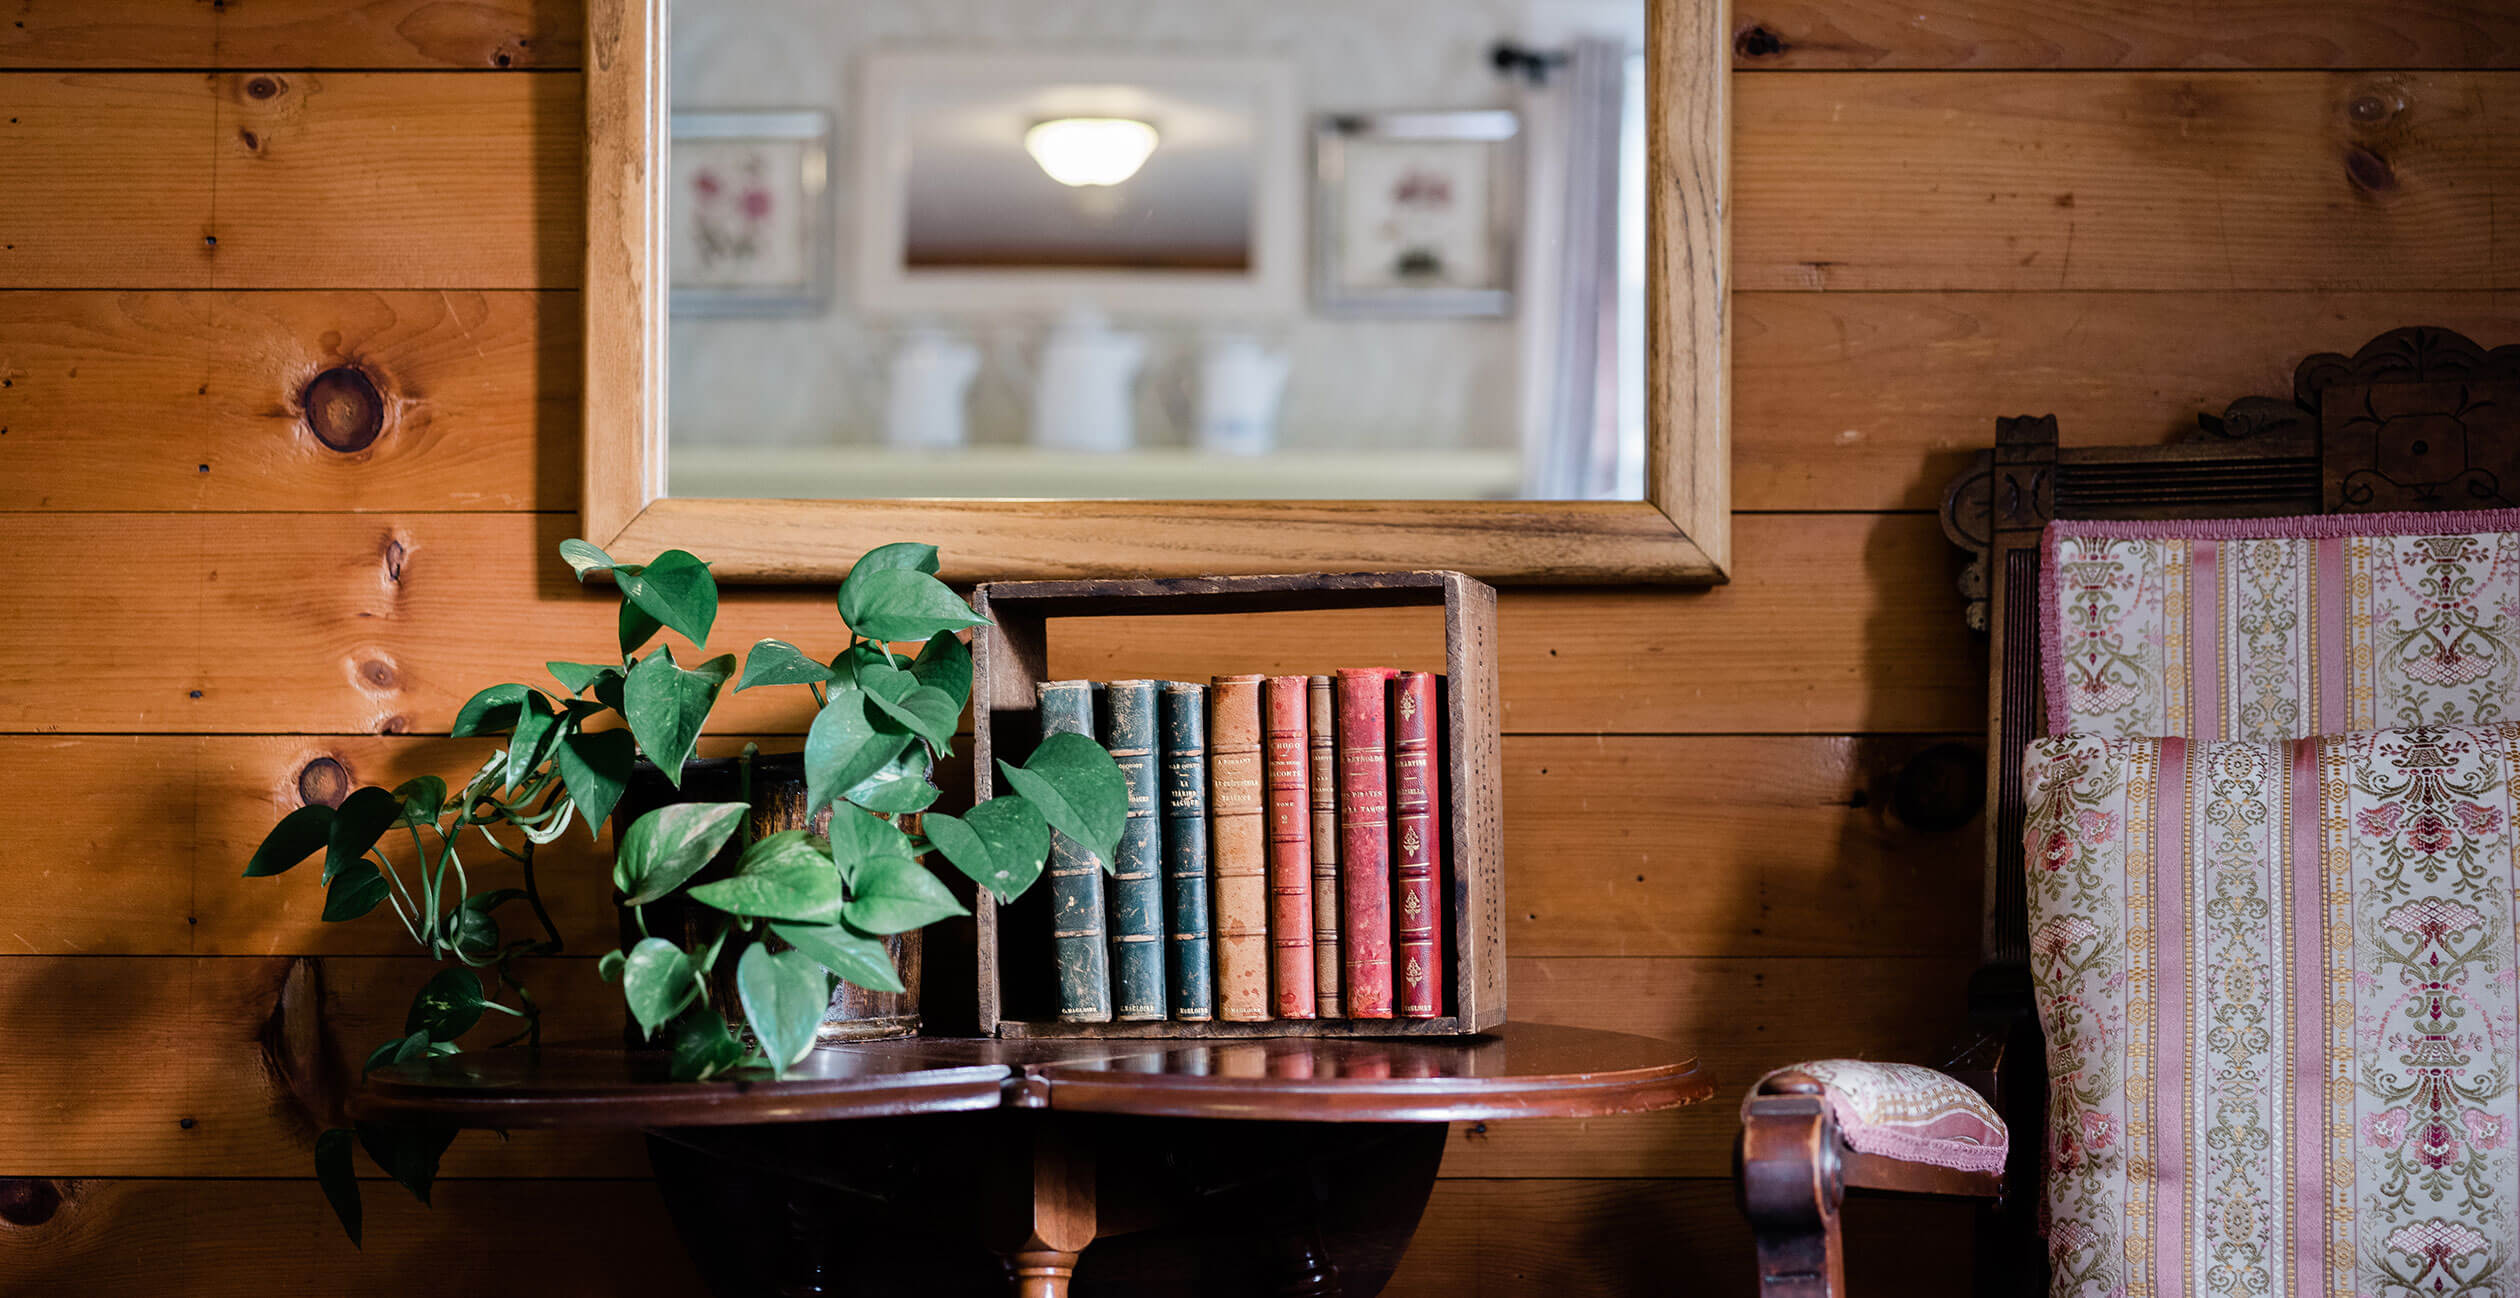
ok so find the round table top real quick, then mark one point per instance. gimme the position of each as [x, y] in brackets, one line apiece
[1520, 1070]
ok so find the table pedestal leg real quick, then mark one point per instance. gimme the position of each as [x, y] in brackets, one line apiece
[1042, 1207]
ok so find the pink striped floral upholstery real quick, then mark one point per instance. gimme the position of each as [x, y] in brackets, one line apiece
[2281, 628]
[2278, 986]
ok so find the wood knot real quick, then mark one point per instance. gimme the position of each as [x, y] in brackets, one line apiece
[2369, 171]
[28, 1200]
[1757, 42]
[264, 87]
[377, 673]
[2371, 110]
[323, 781]
[343, 409]
[1940, 789]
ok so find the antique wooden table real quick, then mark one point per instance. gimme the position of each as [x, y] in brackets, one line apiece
[1294, 1165]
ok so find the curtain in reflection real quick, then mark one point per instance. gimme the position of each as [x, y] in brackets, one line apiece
[1573, 447]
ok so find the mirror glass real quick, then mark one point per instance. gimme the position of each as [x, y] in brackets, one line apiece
[1156, 249]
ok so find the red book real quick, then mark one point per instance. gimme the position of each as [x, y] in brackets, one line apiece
[1321, 715]
[1417, 847]
[1365, 841]
[1286, 748]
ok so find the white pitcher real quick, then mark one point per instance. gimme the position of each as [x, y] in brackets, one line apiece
[1085, 398]
[1240, 384]
[925, 410]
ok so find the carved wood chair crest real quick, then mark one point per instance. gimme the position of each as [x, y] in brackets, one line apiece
[2418, 419]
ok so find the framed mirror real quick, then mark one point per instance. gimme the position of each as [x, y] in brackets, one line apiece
[1160, 287]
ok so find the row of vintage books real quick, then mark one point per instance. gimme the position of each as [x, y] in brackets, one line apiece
[1283, 857]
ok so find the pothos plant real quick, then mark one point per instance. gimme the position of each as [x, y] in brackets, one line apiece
[799, 910]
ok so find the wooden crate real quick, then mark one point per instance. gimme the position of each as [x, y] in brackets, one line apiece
[1010, 661]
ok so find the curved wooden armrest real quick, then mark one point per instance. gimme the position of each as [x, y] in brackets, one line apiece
[1793, 1169]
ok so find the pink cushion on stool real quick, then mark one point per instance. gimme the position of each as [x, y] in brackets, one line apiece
[1910, 1113]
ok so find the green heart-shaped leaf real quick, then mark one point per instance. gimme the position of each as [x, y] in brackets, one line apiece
[575, 677]
[844, 746]
[360, 820]
[595, 768]
[448, 1005]
[676, 589]
[354, 892]
[901, 785]
[585, 557]
[1077, 788]
[608, 965]
[666, 707]
[472, 931]
[702, 1047]
[785, 997]
[536, 727]
[776, 662]
[667, 846]
[923, 710]
[918, 556]
[408, 1151]
[855, 957]
[857, 837]
[945, 664]
[340, 1180]
[783, 876]
[423, 799]
[637, 628]
[891, 604]
[298, 835]
[1001, 844]
[891, 895]
[657, 981]
[489, 712]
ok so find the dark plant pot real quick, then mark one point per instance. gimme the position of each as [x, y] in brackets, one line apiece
[778, 802]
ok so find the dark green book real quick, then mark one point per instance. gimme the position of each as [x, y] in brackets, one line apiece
[1076, 880]
[1182, 725]
[1137, 884]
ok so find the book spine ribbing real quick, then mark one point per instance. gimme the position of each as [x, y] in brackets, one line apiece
[1078, 935]
[1136, 886]
[1289, 763]
[1365, 842]
[1182, 723]
[1323, 731]
[1238, 849]
[1417, 846]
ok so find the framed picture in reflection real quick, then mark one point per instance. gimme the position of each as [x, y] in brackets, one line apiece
[1414, 213]
[750, 218]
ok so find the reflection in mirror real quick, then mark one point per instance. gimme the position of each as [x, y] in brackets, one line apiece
[1157, 249]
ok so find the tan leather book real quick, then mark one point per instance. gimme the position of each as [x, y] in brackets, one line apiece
[1324, 746]
[1238, 848]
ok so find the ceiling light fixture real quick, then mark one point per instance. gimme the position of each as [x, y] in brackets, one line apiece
[1083, 151]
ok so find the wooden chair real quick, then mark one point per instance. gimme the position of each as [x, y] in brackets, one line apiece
[2418, 419]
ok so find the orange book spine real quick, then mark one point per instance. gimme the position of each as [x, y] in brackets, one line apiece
[1238, 849]
[1287, 751]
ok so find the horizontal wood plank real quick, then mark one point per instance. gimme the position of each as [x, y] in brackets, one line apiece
[1875, 400]
[138, 1066]
[2034, 34]
[1625, 845]
[243, 1239]
[1842, 401]
[249, 1057]
[230, 1239]
[1617, 1239]
[184, 401]
[292, 34]
[1837, 624]
[2227, 180]
[291, 180]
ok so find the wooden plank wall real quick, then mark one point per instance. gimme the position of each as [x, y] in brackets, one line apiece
[1946, 210]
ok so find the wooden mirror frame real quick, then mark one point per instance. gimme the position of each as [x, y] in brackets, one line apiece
[1680, 533]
